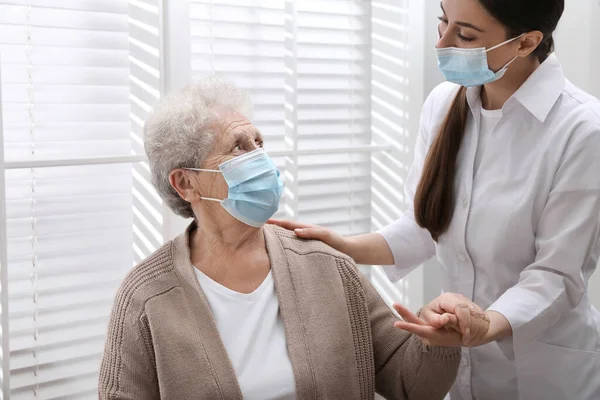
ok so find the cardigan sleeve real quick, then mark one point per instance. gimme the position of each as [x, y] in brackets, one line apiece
[128, 369]
[404, 367]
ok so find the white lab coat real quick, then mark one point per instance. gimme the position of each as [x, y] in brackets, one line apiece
[524, 239]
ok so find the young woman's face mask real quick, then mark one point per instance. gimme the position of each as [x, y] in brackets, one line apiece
[469, 67]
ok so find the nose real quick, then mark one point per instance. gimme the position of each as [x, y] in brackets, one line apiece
[444, 39]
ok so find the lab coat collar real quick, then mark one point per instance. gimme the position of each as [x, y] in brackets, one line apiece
[538, 94]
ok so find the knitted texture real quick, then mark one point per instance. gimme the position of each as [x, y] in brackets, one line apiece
[361, 328]
[158, 264]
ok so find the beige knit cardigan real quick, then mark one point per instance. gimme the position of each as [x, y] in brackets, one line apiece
[163, 342]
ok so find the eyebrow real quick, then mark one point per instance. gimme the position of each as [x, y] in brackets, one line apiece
[242, 135]
[463, 24]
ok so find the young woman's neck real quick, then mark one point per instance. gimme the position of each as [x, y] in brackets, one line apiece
[495, 94]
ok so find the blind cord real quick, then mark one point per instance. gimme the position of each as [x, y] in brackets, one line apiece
[34, 234]
[351, 122]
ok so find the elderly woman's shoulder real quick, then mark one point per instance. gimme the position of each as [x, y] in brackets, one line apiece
[150, 277]
[291, 242]
[318, 269]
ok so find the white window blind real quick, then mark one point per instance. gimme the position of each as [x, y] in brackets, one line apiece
[327, 106]
[397, 95]
[74, 226]
[146, 84]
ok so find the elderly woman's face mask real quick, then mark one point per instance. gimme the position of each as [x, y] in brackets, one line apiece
[254, 187]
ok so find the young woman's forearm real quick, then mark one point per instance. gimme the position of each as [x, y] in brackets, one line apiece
[369, 249]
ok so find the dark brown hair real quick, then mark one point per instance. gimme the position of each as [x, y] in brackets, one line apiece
[434, 199]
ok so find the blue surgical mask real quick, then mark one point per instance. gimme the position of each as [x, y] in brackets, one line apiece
[254, 187]
[469, 67]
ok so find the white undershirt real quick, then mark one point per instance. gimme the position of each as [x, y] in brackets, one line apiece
[489, 120]
[253, 334]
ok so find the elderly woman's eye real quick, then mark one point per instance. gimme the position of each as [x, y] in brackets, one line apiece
[237, 147]
[259, 143]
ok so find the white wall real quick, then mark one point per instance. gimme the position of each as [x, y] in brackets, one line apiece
[595, 90]
[578, 48]
[574, 42]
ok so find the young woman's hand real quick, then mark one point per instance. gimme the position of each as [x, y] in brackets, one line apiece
[315, 232]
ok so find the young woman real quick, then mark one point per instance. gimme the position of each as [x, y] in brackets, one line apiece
[506, 192]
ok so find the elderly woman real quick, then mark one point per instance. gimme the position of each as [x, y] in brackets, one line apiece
[235, 309]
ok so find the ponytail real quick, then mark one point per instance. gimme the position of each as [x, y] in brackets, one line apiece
[545, 48]
[434, 199]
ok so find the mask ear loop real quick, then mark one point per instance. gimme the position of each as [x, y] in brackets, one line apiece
[206, 170]
[503, 43]
[202, 170]
[211, 199]
[508, 63]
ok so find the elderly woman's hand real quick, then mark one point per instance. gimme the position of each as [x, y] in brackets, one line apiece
[471, 321]
[453, 320]
[442, 334]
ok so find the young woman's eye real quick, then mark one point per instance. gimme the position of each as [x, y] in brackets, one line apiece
[464, 39]
[443, 20]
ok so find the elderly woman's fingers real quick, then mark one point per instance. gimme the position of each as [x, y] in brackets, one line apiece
[447, 302]
[453, 311]
[423, 331]
[476, 330]
[452, 322]
[434, 318]
[473, 322]
[408, 315]
[463, 314]
[480, 327]
[430, 335]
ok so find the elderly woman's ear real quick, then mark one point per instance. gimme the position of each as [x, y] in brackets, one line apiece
[184, 184]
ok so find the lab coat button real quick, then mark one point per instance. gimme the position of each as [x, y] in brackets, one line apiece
[462, 257]
[465, 203]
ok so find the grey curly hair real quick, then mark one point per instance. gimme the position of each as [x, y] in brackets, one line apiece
[180, 132]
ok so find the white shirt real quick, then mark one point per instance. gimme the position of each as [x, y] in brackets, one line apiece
[524, 237]
[253, 334]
